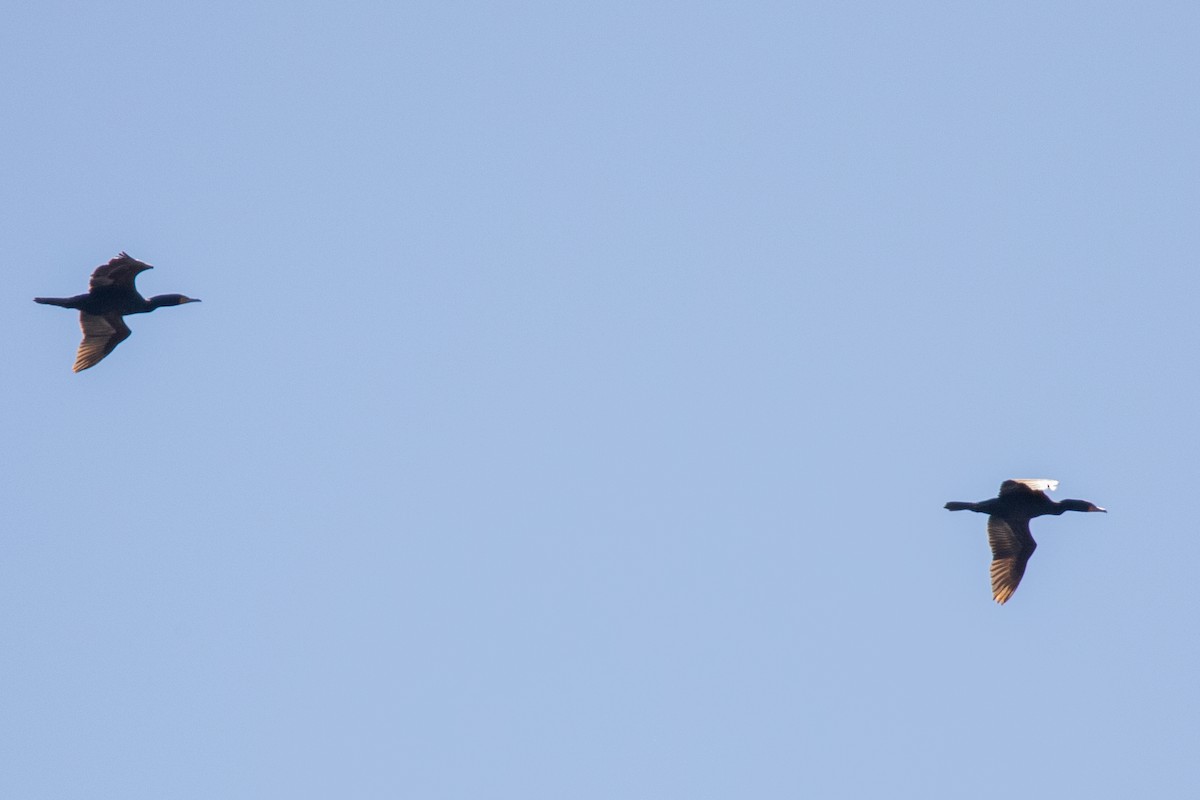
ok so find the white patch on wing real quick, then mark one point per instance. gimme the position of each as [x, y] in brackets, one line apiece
[1038, 484]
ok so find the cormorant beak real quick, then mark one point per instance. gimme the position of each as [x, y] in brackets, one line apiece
[191, 300]
[1098, 508]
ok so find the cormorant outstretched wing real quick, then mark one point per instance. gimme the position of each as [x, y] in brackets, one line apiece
[101, 335]
[1012, 545]
[121, 271]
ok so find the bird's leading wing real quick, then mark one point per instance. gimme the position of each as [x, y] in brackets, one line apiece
[1012, 545]
[101, 335]
[121, 271]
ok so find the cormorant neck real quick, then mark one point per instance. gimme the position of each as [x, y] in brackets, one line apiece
[1074, 505]
[160, 300]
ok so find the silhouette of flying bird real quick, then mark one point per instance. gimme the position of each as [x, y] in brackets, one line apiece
[1012, 544]
[111, 296]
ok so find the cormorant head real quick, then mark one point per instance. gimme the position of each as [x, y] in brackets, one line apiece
[171, 300]
[1080, 505]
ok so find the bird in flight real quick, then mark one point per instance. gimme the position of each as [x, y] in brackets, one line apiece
[111, 295]
[1012, 544]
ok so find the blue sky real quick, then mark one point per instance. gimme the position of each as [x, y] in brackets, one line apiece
[575, 395]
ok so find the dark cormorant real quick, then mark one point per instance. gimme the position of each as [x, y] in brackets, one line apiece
[1020, 500]
[111, 295]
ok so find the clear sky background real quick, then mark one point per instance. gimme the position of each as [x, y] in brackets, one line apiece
[575, 395]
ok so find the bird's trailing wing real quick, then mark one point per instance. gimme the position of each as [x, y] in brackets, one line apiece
[1012, 544]
[101, 335]
[1036, 484]
[121, 271]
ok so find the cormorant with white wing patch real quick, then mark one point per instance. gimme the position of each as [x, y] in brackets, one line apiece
[1020, 500]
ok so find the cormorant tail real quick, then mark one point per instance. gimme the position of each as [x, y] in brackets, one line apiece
[954, 505]
[54, 301]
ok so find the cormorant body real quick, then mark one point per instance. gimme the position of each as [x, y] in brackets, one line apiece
[111, 296]
[1019, 501]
